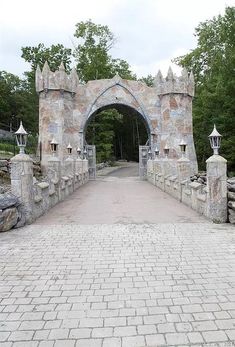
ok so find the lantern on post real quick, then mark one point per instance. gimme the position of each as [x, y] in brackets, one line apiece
[183, 146]
[90, 152]
[166, 150]
[144, 153]
[69, 149]
[79, 152]
[215, 140]
[156, 151]
[21, 138]
[84, 153]
[54, 146]
[149, 153]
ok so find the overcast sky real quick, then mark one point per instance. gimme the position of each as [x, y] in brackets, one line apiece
[149, 32]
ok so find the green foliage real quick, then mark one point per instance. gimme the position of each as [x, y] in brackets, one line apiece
[149, 80]
[14, 102]
[92, 53]
[212, 63]
[54, 55]
[116, 136]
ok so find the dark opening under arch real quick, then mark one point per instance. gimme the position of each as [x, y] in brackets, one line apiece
[127, 129]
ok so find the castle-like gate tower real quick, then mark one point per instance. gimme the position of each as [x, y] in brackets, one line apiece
[66, 106]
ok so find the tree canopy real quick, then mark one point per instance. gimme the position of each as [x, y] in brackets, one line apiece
[213, 62]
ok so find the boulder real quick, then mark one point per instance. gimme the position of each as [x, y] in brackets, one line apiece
[231, 180]
[231, 216]
[8, 200]
[231, 204]
[231, 187]
[21, 218]
[231, 196]
[3, 163]
[8, 218]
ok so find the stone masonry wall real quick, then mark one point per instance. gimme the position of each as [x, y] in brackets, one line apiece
[66, 106]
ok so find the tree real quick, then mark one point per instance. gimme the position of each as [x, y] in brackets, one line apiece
[54, 55]
[149, 80]
[12, 95]
[212, 63]
[92, 53]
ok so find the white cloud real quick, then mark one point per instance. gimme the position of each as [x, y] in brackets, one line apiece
[150, 32]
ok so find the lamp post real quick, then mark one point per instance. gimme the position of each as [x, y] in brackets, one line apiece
[54, 145]
[166, 150]
[156, 151]
[90, 152]
[183, 146]
[79, 152]
[144, 153]
[84, 153]
[149, 153]
[215, 140]
[21, 138]
[69, 149]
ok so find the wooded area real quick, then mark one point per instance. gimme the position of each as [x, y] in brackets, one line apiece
[117, 135]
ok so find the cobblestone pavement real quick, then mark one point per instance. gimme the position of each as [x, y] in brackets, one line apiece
[118, 285]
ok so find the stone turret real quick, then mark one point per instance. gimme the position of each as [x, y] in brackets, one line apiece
[172, 84]
[58, 80]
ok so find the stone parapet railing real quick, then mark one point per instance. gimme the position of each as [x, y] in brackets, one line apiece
[209, 200]
[35, 197]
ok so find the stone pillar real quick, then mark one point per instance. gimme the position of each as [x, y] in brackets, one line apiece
[216, 208]
[22, 184]
[54, 173]
[183, 169]
[79, 169]
[69, 172]
[54, 168]
[69, 167]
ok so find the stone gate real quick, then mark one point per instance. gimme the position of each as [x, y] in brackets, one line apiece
[66, 106]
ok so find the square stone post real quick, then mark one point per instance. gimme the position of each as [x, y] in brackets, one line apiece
[69, 171]
[22, 184]
[183, 169]
[54, 174]
[183, 172]
[79, 169]
[216, 208]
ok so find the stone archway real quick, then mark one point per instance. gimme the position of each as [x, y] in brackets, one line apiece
[65, 107]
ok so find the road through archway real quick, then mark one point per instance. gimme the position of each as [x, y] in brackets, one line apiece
[116, 198]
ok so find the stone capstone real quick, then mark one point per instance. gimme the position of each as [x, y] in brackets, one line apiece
[8, 200]
[8, 218]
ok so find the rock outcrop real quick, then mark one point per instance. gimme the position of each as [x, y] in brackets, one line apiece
[231, 200]
[9, 215]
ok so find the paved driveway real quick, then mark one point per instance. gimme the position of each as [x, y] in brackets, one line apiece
[112, 200]
[71, 281]
[119, 285]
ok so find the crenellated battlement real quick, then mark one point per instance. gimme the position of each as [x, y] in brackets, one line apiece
[58, 80]
[183, 84]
